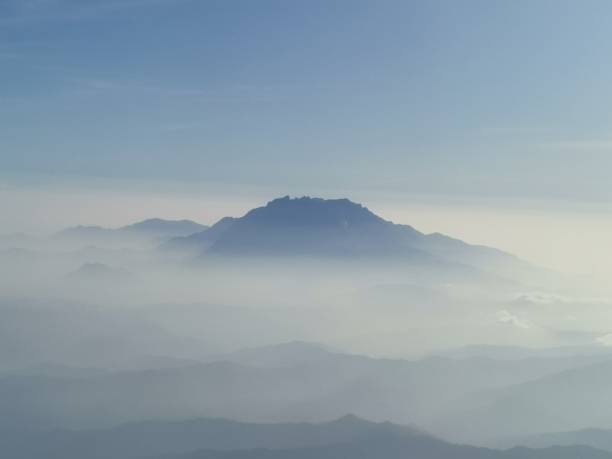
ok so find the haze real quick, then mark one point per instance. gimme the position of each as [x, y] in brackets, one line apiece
[290, 230]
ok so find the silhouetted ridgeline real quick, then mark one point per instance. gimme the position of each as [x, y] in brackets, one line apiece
[347, 437]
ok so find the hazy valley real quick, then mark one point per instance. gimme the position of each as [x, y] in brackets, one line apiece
[255, 333]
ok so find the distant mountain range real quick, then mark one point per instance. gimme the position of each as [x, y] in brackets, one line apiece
[390, 446]
[158, 226]
[347, 437]
[569, 400]
[321, 227]
[162, 437]
[306, 227]
[595, 438]
[153, 229]
[310, 229]
[279, 383]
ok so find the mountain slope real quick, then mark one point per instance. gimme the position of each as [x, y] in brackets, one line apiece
[341, 229]
[318, 385]
[349, 437]
[164, 437]
[389, 445]
[574, 399]
[201, 240]
[595, 438]
[154, 229]
[315, 227]
[164, 228]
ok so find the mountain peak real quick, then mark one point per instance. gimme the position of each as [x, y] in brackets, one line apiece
[308, 226]
[311, 211]
[315, 227]
[175, 227]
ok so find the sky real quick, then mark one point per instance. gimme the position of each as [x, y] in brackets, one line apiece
[484, 119]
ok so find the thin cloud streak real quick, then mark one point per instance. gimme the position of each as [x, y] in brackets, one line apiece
[594, 144]
[34, 11]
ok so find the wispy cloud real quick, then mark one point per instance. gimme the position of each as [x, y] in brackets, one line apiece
[100, 85]
[605, 340]
[578, 145]
[18, 12]
[512, 130]
[92, 85]
[507, 318]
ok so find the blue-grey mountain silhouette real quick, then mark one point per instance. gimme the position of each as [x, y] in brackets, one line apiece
[161, 227]
[339, 228]
[151, 230]
[388, 442]
[200, 240]
[595, 438]
[349, 437]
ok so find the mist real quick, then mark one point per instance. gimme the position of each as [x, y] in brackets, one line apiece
[301, 310]
[294, 230]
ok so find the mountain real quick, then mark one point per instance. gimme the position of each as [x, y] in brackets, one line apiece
[154, 230]
[389, 447]
[283, 355]
[200, 240]
[573, 399]
[518, 352]
[349, 437]
[595, 438]
[267, 387]
[340, 229]
[315, 227]
[164, 228]
[174, 437]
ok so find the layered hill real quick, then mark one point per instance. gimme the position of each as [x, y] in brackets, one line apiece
[154, 230]
[276, 383]
[347, 437]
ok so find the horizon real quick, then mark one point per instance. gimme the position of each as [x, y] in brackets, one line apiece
[417, 257]
[418, 108]
[537, 237]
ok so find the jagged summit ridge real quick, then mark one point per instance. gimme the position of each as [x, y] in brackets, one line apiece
[313, 227]
[318, 227]
[314, 211]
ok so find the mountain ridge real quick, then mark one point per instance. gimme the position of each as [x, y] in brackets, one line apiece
[216, 438]
[317, 228]
[150, 225]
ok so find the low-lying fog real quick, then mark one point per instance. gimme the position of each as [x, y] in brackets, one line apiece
[97, 331]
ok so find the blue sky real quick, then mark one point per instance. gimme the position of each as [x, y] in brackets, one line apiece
[471, 99]
[432, 96]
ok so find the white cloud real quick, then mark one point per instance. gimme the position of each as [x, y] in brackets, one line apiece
[505, 317]
[604, 340]
[540, 298]
[544, 298]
